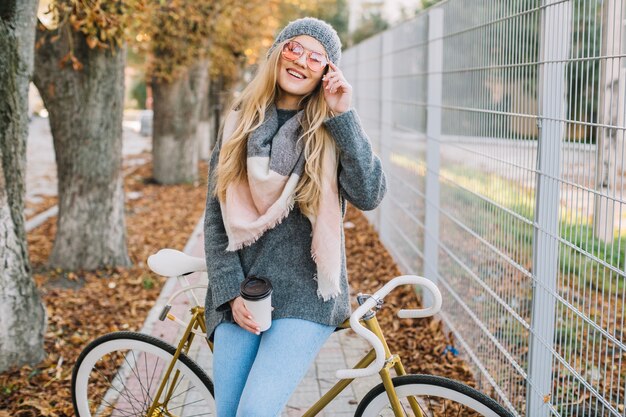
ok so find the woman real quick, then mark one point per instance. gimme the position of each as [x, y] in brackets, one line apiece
[292, 151]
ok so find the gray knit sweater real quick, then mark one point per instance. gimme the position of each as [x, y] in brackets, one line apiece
[283, 253]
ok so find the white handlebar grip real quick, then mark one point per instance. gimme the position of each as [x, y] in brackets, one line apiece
[359, 329]
[424, 312]
[374, 367]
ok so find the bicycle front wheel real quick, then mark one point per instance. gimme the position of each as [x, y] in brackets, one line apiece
[119, 374]
[435, 397]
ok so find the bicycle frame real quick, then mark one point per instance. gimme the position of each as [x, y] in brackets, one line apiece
[159, 408]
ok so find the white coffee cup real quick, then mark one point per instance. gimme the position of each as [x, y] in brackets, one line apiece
[257, 296]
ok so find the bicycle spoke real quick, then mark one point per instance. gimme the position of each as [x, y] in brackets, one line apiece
[179, 394]
[152, 378]
[143, 394]
[146, 397]
[113, 408]
[153, 372]
[185, 405]
[117, 375]
[113, 385]
[145, 360]
[430, 403]
[122, 382]
[122, 373]
[125, 393]
[202, 414]
[136, 375]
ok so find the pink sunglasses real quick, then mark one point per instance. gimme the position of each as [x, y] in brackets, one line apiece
[294, 50]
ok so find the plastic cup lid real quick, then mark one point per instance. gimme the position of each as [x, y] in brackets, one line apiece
[255, 288]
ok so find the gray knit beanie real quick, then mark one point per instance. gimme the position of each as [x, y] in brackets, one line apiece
[315, 28]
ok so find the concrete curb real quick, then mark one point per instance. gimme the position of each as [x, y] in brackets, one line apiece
[40, 218]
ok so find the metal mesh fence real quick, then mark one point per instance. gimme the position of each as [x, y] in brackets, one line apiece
[501, 129]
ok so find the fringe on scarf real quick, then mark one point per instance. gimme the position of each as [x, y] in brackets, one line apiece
[334, 285]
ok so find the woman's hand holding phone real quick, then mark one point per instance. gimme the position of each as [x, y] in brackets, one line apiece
[337, 91]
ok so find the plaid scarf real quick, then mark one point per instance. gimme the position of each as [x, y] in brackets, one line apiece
[275, 163]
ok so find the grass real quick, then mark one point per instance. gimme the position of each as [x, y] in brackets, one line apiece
[474, 193]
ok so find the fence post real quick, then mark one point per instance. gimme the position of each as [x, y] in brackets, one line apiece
[555, 37]
[386, 128]
[433, 136]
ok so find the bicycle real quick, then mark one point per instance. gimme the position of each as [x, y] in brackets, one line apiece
[134, 374]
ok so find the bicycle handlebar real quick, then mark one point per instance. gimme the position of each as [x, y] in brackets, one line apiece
[359, 329]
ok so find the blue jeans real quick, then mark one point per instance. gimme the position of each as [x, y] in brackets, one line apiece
[254, 376]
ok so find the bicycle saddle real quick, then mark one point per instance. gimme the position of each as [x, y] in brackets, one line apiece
[172, 263]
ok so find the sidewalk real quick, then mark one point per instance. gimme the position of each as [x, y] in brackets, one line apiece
[342, 350]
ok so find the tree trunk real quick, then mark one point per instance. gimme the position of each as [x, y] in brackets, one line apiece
[219, 99]
[23, 320]
[85, 109]
[205, 126]
[177, 105]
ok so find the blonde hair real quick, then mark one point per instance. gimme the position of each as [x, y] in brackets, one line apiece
[260, 93]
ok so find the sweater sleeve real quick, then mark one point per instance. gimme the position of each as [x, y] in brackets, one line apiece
[361, 178]
[223, 267]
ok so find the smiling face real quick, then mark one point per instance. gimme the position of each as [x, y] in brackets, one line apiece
[295, 78]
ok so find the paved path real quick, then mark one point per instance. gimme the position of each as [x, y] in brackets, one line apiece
[343, 350]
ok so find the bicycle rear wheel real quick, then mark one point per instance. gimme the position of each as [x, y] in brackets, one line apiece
[118, 374]
[436, 397]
